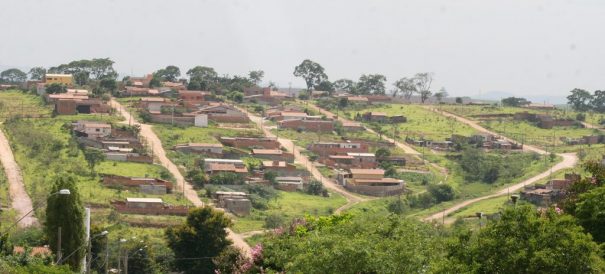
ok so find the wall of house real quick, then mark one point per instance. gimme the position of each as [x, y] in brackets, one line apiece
[379, 191]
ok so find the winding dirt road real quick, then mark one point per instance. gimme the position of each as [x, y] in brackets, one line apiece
[20, 201]
[158, 151]
[569, 161]
[352, 198]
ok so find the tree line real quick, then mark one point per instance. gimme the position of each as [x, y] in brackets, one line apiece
[582, 100]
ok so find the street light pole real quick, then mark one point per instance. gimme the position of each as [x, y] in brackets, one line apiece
[60, 192]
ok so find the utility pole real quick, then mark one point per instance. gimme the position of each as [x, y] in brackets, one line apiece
[59, 253]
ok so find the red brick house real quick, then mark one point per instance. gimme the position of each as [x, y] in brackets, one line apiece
[308, 125]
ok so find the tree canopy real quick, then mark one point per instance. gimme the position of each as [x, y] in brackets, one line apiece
[202, 235]
[313, 73]
[66, 211]
[37, 73]
[169, 73]
[13, 76]
[579, 99]
[371, 84]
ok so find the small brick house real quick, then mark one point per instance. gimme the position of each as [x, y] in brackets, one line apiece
[308, 125]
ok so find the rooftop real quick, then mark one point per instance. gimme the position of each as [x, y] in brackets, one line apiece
[367, 171]
[144, 200]
[267, 151]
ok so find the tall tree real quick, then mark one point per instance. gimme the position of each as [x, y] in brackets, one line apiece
[590, 212]
[524, 240]
[66, 212]
[598, 101]
[313, 73]
[13, 76]
[325, 85]
[202, 76]
[256, 76]
[36, 73]
[423, 83]
[579, 99]
[170, 73]
[514, 102]
[406, 87]
[345, 85]
[203, 235]
[371, 84]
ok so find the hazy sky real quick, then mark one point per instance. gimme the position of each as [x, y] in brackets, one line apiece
[522, 47]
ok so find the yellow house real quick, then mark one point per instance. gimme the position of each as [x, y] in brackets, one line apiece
[65, 79]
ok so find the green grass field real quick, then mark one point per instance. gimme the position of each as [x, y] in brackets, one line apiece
[290, 205]
[420, 122]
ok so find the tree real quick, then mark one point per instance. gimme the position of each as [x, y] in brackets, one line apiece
[236, 96]
[579, 99]
[93, 156]
[524, 240]
[97, 249]
[406, 87]
[66, 212]
[590, 213]
[598, 101]
[313, 73]
[37, 73]
[371, 84]
[459, 100]
[202, 235]
[140, 259]
[423, 82]
[514, 102]
[441, 94]
[108, 84]
[441, 192]
[315, 187]
[382, 153]
[345, 85]
[55, 88]
[203, 76]
[170, 73]
[13, 76]
[325, 85]
[256, 76]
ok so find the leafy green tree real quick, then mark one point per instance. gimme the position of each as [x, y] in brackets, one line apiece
[325, 85]
[459, 100]
[313, 73]
[231, 260]
[93, 156]
[202, 76]
[98, 245]
[140, 260]
[316, 188]
[524, 240]
[235, 96]
[203, 235]
[226, 178]
[256, 76]
[13, 76]
[514, 102]
[270, 176]
[55, 88]
[372, 243]
[598, 101]
[371, 84]
[382, 153]
[345, 85]
[580, 99]
[66, 212]
[441, 192]
[590, 213]
[170, 73]
[108, 84]
[37, 73]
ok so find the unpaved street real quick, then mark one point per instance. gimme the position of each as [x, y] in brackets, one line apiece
[20, 201]
[158, 151]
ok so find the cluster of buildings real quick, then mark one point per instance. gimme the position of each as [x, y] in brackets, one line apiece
[265, 96]
[546, 121]
[73, 101]
[191, 108]
[481, 140]
[553, 192]
[141, 86]
[116, 143]
[584, 140]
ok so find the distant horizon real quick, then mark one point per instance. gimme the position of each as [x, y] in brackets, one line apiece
[471, 46]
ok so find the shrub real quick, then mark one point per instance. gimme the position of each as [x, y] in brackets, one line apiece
[274, 220]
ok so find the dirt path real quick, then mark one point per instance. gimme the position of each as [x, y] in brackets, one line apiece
[20, 201]
[352, 198]
[406, 148]
[569, 161]
[158, 152]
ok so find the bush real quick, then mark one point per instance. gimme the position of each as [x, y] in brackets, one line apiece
[581, 117]
[274, 220]
[316, 188]
[226, 178]
[441, 192]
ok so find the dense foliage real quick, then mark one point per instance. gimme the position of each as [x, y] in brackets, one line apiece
[479, 166]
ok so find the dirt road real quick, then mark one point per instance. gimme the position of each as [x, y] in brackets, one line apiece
[352, 198]
[406, 148]
[20, 201]
[158, 151]
[569, 161]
